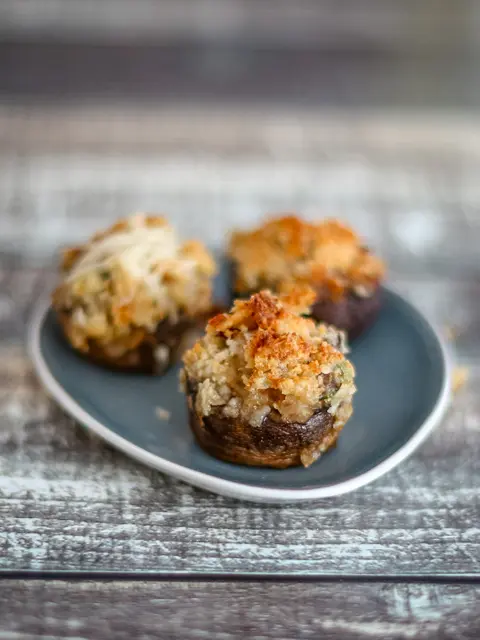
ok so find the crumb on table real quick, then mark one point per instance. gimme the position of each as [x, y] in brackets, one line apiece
[450, 332]
[459, 378]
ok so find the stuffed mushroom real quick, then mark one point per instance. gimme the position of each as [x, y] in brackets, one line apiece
[328, 256]
[266, 386]
[129, 296]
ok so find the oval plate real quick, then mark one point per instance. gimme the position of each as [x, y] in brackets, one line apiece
[403, 384]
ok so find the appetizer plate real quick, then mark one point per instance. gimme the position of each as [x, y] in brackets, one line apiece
[403, 384]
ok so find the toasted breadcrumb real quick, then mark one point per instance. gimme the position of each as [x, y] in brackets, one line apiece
[459, 378]
[162, 414]
[329, 256]
[264, 357]
[124, 281]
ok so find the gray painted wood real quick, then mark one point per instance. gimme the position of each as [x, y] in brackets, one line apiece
[197, 610]
[409, 184]
[350, 24]
[67, 501]
[70, 502]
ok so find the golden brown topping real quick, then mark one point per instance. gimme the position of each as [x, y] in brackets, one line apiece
[262, 310]
[327, 255]
[264, 357]
[127, 279]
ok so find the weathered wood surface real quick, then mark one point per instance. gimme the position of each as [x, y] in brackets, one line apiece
[409, 184]
[68, 502]
[352, 24]
[198, 610]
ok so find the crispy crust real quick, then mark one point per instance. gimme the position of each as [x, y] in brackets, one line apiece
[125, 283]
[329, 256]
[263, 358]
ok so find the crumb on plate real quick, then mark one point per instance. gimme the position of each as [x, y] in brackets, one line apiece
[162, 414]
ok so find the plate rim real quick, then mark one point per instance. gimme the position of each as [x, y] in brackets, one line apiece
[222, 486]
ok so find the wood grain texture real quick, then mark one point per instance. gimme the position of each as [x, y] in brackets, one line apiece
[378, 74]
[193, 611]
[408, 184]
[67, 501]
[350, 24]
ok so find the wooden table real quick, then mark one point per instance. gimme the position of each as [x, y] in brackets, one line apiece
[94, 545]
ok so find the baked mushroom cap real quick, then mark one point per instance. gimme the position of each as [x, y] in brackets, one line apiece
[129, 293]
[329, 256]
[353, 313]
[266, 386]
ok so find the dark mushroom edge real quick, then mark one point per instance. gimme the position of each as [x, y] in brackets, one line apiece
[352, 313]
[274, 443]
[157, 351]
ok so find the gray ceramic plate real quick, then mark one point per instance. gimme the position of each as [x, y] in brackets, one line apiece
[403, 392]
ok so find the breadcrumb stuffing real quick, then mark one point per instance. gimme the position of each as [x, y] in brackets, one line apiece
[124, 281]
[265, 358]
[329, 256]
